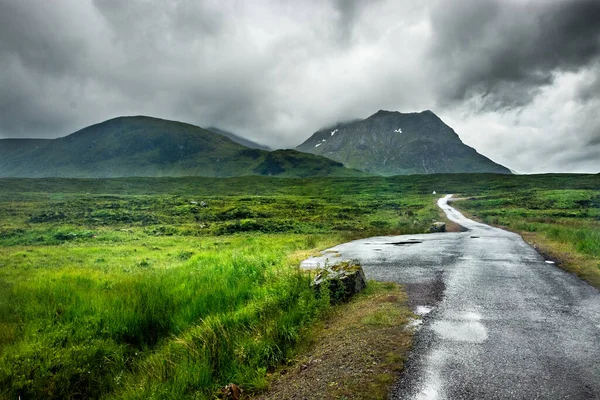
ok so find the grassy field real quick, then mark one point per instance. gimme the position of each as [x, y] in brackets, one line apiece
[130, 292]
[133, 288]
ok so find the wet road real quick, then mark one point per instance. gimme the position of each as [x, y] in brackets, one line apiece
[499, 322]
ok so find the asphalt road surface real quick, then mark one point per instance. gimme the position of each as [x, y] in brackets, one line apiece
[499, 321]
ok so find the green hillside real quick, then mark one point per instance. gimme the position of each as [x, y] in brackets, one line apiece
[144, 146]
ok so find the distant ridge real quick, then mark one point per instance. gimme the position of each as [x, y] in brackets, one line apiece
[239, 139]
[394, 143]
[146, 146]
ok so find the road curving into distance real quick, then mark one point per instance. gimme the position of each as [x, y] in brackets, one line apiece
[499, 322]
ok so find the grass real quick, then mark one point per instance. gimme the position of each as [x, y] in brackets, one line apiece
[153, 295]
[355, 352]
[130, 288]
[563, 224]
[93, 329]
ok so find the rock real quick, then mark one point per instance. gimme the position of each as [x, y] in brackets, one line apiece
[203, 204]
[343, 280]
[231, 392]
[193, 202]
[437, 227]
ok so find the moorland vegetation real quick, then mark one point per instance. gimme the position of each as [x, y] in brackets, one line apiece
[173, 287]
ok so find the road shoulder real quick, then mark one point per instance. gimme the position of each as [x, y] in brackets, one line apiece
[356, 353]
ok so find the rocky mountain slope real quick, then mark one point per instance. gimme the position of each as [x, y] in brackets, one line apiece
[393, 143]
[145, 146]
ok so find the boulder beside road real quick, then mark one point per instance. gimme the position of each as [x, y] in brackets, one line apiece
[343, 280]
[437, 227]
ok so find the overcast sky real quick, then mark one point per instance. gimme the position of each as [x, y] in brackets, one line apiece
[518, 80]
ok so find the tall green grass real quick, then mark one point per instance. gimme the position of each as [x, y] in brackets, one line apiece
[220, 316]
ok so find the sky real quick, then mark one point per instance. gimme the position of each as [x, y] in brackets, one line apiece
[518, 80]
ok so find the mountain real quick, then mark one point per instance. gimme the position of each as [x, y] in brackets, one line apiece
[13, 149]
[145, 146]
[393, 143]
[239, 139]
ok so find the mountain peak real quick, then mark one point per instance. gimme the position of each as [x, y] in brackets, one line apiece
[394, 143]
[384, 113]
[381, 113]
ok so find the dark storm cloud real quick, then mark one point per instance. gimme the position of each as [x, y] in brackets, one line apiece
[69, 64]
[143, 19]
[592, 126]
[36, 53]
[590, 89]
[518, 80]
[348, 13]
[506, 51]
[32, 33]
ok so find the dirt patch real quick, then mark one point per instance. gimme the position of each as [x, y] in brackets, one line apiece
[356, 353]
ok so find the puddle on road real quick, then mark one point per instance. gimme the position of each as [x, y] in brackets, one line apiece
[414, 323]
[423, 310]
[474, 237]
[470, 331]
[401, 243]
[405, 243]
[428, 393]
[467, 329]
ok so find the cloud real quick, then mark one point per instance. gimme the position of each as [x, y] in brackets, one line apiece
[557, 131]
[519, 80]
[507, 51]
[349, 12]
